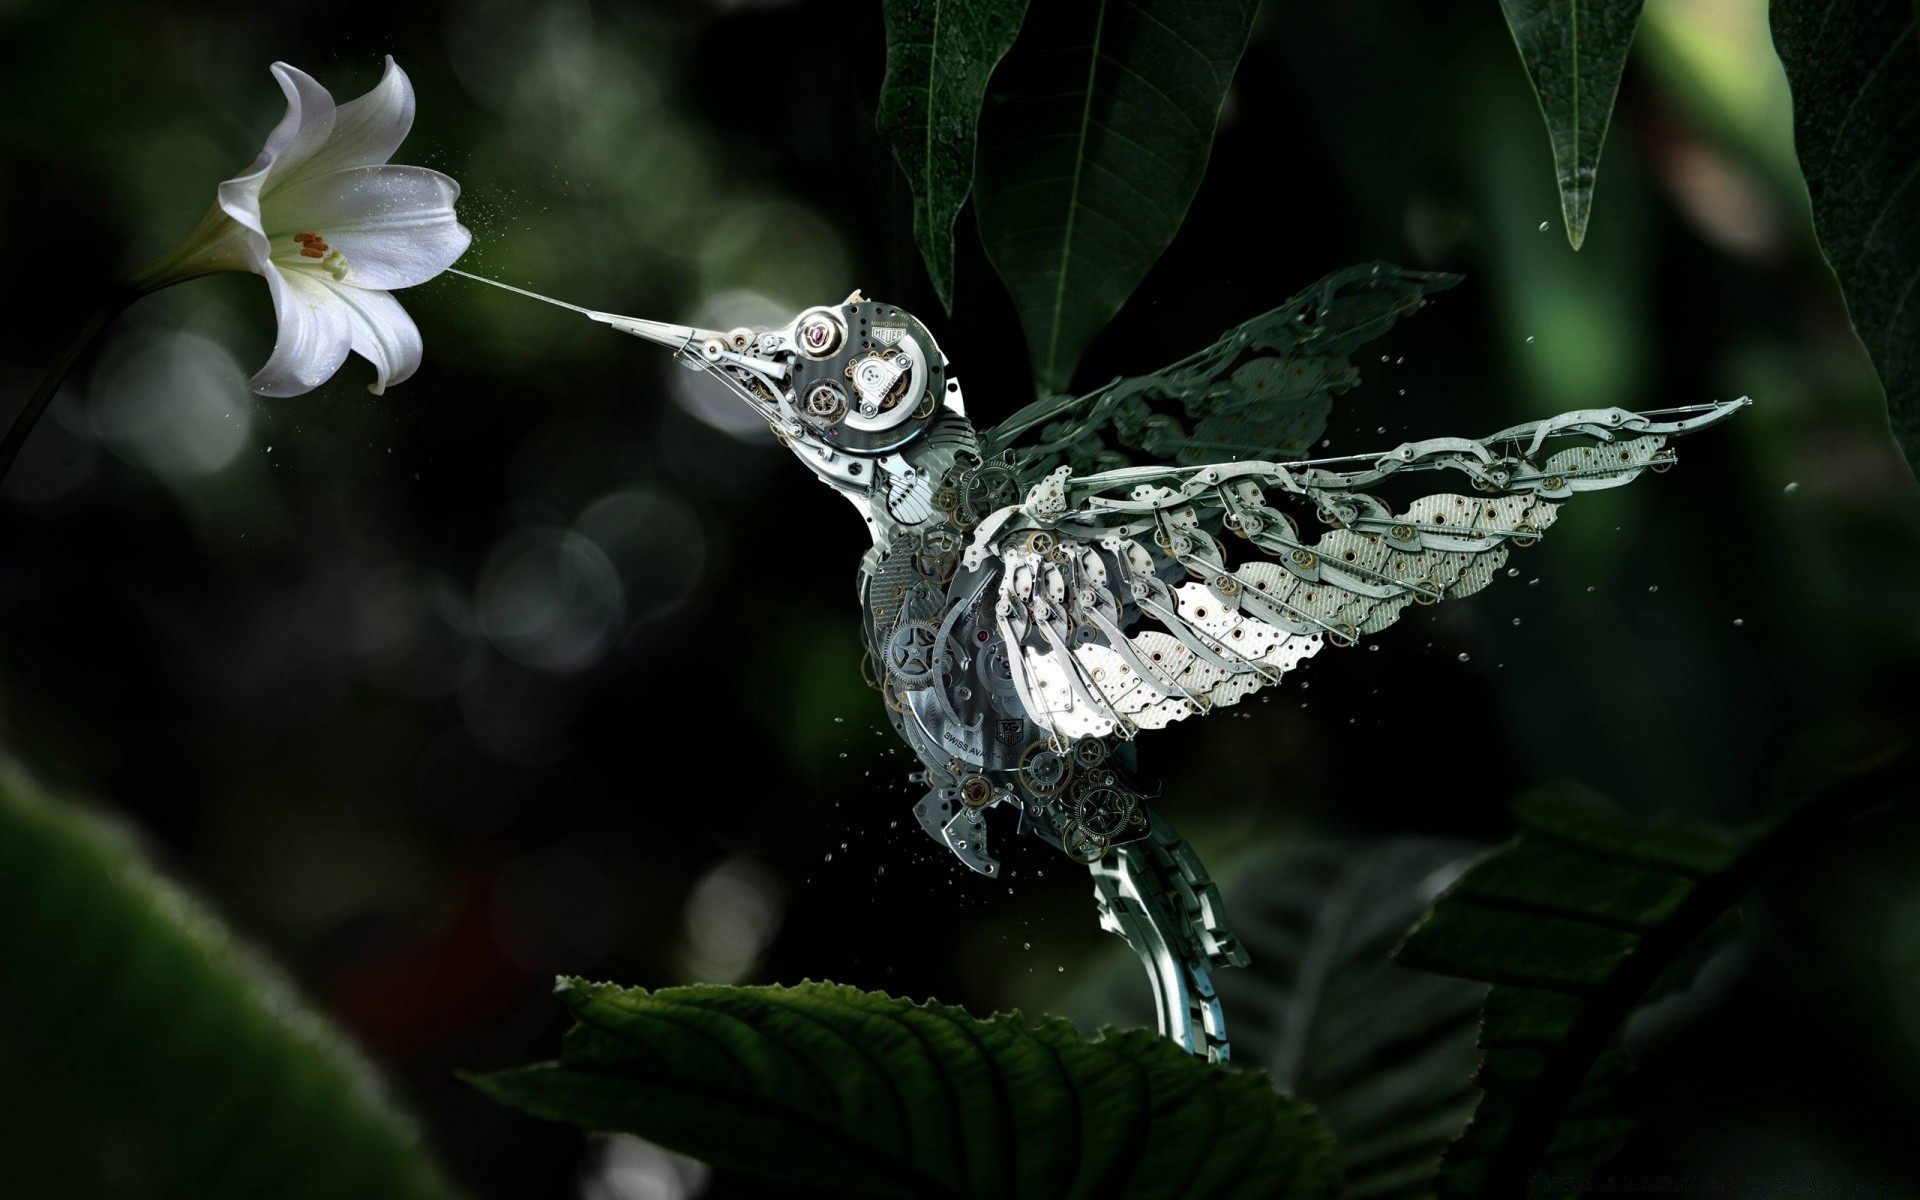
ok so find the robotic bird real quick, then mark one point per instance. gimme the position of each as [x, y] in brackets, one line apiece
[1032, 607]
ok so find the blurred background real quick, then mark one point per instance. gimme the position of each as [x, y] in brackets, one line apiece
[547, 661]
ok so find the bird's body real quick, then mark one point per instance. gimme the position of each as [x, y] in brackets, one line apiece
[1029, 609]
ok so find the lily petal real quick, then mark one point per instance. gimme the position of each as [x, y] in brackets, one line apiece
[368, 130]
[315, 334]
[383, 334]
[395, 225]
[304, 129]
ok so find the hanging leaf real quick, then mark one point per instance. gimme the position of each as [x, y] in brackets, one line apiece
[143, 1053]
[1854, 66]
[1385, 1054]
[1583, 918]
[1574, 51]
[1091, 149]
[940, 54]
[832, 1087]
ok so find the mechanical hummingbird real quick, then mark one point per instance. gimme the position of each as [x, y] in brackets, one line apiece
[1039, 593]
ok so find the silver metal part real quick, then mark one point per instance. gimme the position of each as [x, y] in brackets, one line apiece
[1157, 896]
[1027, 622]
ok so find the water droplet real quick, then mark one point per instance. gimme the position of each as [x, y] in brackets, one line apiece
[1737, 622]
[1654, 588]
[829, 857]
[1512, 572]
[1465, 657]
[1589, 587]
[1026, 945]
[1529, 339]
[1533, 583]
[1788, 491]
[1370, 646]
[1544, 225]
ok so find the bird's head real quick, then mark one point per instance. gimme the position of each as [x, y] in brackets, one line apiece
[842, 385]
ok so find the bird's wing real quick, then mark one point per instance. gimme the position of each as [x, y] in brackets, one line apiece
[1129, 610]
[1262, 391]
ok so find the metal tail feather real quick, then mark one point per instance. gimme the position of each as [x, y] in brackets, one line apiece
[1156, 894]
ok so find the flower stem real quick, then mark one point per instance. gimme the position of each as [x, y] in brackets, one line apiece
[122, 295]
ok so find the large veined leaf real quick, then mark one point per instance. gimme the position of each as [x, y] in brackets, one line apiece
[1384, 1053]
[1095, 139]
[868, 1095]
[1583, 918]
[940, 54]
[1574, 51]
[142, 1053]
[1854, 66]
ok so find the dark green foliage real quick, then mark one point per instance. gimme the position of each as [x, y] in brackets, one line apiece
[1855, 70]
[1094, 142]
[1385, 1054]
[1262, 391]
[868, 1095]
[940, 54]
[1574, 51]
[1574, 923]
[142, 1053]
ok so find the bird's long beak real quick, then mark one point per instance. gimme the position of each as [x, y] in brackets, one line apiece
[674, 337]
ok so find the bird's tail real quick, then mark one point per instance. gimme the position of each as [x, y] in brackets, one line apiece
[1157, 895]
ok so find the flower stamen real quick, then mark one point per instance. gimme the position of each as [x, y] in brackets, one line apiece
[312, 245]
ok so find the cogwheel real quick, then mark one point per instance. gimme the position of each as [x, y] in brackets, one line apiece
[985, 489]
[1103, 812]
[910, 653]
[1042, 771]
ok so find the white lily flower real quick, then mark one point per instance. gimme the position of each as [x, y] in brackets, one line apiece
[334, 229]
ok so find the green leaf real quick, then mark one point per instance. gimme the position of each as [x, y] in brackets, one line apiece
[1574, 51]
[829, 1086]
[1854, 66]
[1385, 1054]
[144, 1053]
[1092, 147]
[1582, 918]
[940, 54]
